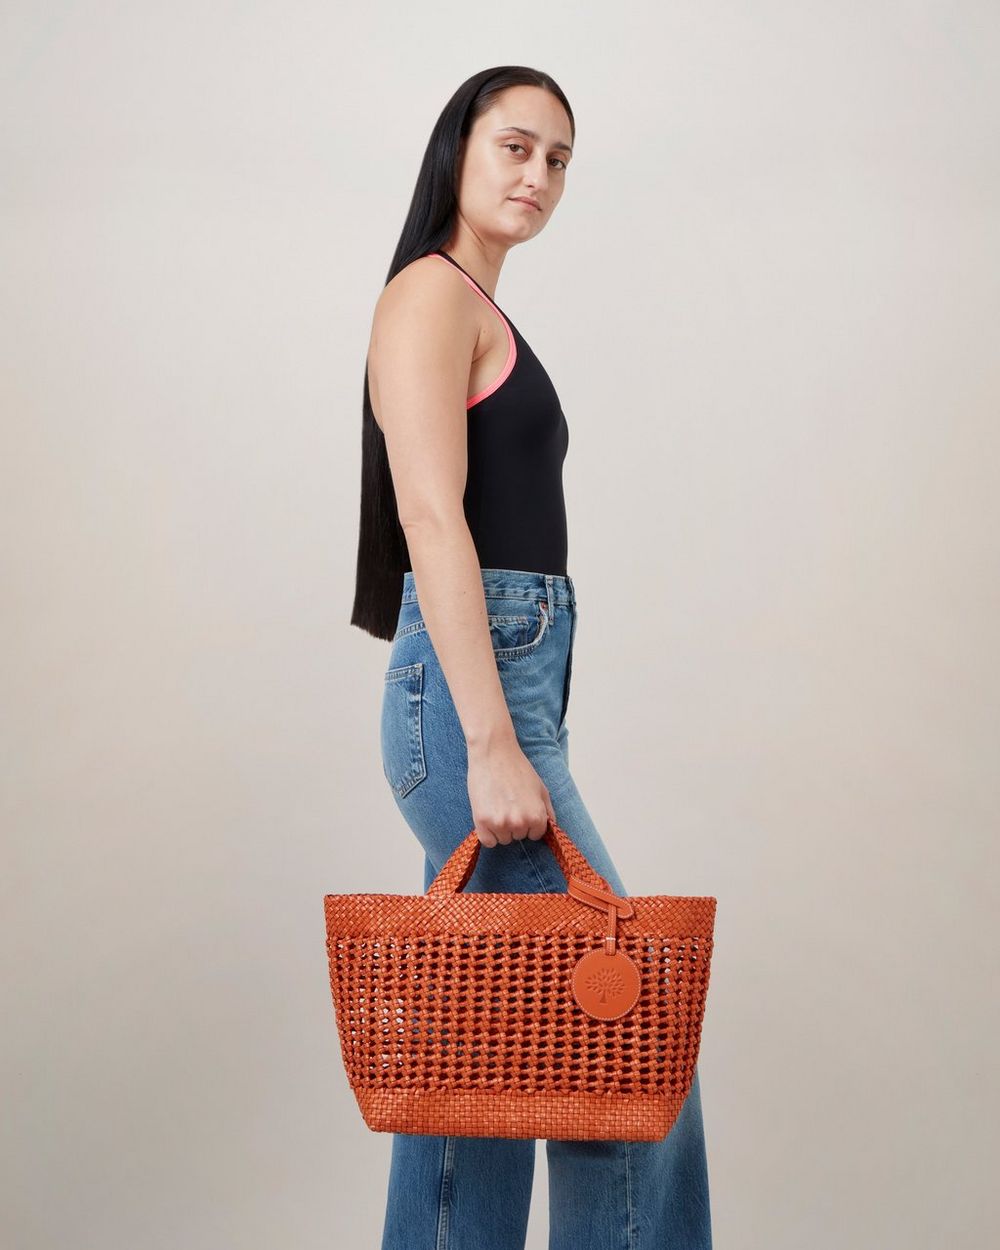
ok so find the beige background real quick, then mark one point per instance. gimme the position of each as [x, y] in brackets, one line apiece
[769, 301]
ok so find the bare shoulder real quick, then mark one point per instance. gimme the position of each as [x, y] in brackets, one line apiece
[425, 306]
[426, 287]
[424, 336]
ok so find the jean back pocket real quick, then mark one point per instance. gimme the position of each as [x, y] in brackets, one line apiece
[403, 761]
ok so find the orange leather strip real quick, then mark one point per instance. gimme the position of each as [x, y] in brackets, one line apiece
[601, 899]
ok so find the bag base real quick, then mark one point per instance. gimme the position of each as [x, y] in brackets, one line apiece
[577, 1116]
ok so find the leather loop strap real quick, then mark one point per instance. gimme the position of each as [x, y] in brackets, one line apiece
[459, 866]
[601, 899]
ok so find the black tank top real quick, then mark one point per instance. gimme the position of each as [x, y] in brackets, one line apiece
[517, 441]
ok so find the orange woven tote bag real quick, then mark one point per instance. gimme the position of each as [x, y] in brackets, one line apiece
[567, 1016]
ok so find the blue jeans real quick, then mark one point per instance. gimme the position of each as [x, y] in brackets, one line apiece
[473, 1193]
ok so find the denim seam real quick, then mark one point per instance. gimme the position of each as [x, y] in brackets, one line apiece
[557, 599]
[447, 1167]
[630, 1243]
[493, 618]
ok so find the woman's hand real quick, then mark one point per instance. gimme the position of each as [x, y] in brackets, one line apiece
[509, 799]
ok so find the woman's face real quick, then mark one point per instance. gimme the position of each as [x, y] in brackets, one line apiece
[499, 164]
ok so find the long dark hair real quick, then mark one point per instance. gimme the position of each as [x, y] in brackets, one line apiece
[382, 552]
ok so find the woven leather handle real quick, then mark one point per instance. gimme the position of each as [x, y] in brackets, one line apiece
[458, 868]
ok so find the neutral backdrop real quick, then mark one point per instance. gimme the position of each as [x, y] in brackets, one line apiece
[770, 303]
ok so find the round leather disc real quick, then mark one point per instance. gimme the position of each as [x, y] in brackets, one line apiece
[606, 986]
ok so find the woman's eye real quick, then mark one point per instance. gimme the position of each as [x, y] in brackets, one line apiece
[521, 146]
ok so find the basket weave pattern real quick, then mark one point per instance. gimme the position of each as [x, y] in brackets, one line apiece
[456, 1015]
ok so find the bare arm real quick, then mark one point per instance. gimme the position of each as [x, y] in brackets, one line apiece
[422, 345]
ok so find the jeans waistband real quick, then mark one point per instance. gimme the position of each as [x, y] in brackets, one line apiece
[513, 584]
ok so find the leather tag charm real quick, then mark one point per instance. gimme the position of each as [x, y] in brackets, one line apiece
[606, 986]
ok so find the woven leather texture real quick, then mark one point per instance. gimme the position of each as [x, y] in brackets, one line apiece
[456, 1012]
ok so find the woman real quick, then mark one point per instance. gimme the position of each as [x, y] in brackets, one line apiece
[462, 566]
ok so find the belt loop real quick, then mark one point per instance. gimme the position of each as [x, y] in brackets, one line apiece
[550, 598]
